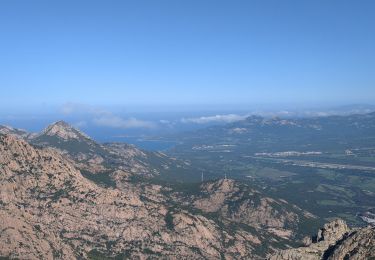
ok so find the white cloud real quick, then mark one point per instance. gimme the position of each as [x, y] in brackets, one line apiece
[103, 117]
[118, 122]
[229, 118]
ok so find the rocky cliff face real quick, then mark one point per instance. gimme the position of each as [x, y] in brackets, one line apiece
[45, 202]
[359, 244]
[334, 241]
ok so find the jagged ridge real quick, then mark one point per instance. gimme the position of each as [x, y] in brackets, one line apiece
[335, 241]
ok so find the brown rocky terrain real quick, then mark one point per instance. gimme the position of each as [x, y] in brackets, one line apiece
[236, 204]
[48, 210]
[52, 207]
[334, 241]
[247, 206]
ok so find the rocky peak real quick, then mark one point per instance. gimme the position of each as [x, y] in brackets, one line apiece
[325, 244]
[64, 131]
[332, 231]
[221, 185]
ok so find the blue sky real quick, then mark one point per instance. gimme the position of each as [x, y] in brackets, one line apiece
[186, 53]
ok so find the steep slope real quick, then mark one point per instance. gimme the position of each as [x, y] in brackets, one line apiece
[85, 152]
[359, 244]
[39, 187]
[48, 210]
[142, 162]
[334, 241]
[63, 136]
[65, 132]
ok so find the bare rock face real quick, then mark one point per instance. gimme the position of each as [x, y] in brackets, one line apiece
[124, 150]
[360, 244]
[332, 231]
[241, 204]
[45, 200]
[64, 131]
[334, 241]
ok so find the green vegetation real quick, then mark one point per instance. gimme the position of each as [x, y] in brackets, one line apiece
[59, 194]
[103, 178]
[97, 255]
[169, 220]
[272, 173]
[72, 146]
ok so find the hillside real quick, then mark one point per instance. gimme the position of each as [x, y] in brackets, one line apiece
[234, 203]
[49, 210]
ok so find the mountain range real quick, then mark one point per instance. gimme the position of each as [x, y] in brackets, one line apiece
[65, 196]
[257, 134]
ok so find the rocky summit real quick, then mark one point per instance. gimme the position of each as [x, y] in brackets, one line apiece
[334, 241]
[64, 131]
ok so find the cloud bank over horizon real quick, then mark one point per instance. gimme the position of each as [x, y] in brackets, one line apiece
[226, 118]
[97, 116]
[102, 117]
